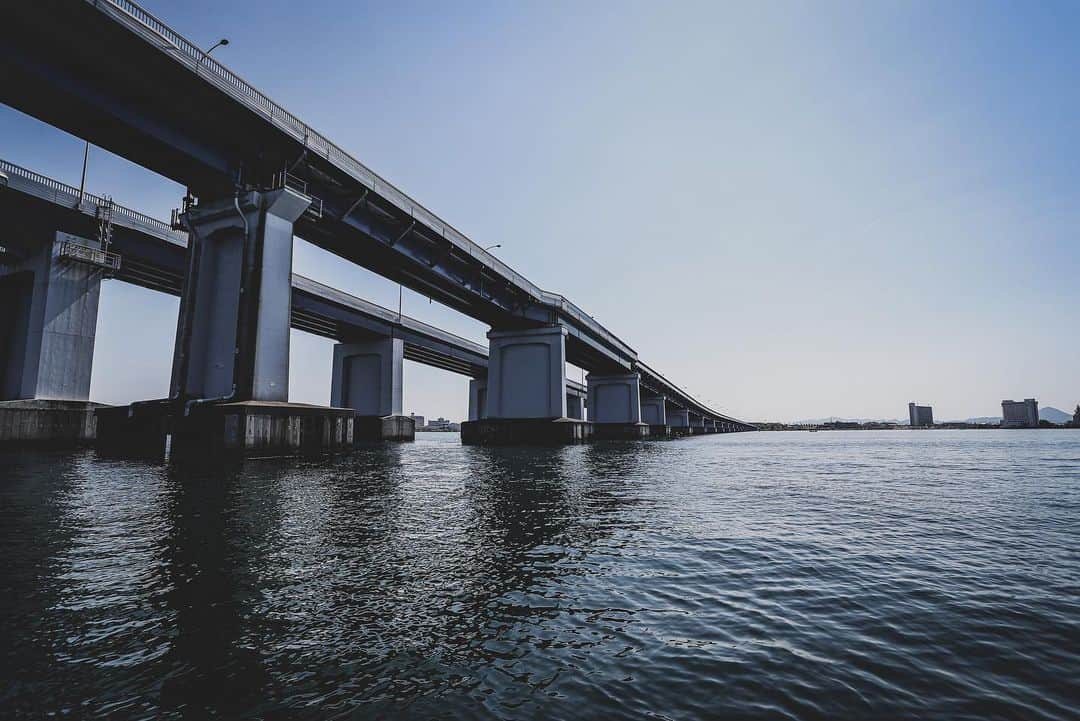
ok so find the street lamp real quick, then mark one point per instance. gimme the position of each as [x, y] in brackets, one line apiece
[497, 245]
[206, 53]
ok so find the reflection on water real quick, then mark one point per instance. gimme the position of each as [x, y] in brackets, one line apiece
[900, 575]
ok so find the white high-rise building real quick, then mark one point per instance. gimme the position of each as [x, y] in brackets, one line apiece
[1020, 414]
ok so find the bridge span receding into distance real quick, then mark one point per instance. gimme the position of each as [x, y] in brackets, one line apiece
[256, 176]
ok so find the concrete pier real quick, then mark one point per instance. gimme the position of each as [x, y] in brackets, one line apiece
[261, 428]
[49, 291]
[233, 335]
[679, 421]
[525, 431]
[368, 377]
[44, 422]
[615, 406]
[527, 373]
[524, 399]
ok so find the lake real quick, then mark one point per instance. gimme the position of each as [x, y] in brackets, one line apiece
[903, 574]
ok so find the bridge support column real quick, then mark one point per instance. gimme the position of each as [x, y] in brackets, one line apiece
[526, 391]
[230, 377]
[233, 338]
[575, 406]
[368, 378]
[679, 421]
[478, 388]
[48, 322]
[654, 412]
[697, 424]
[615, 405]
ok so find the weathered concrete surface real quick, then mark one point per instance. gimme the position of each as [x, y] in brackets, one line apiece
[263, 429]
[47, 422]
[620, 431]
[250, 428]
[659, 431]
[525, 431]
[132, 431]
[383, 428]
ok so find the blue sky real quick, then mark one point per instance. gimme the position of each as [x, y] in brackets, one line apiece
[793, 209]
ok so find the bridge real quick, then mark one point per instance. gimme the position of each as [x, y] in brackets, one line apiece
[256, 175]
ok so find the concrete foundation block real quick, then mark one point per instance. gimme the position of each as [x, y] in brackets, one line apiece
[262, 429]
[46, 422]
[137, 431]
[383, 428]
[659, 431]
[620, 431]
[525, 431]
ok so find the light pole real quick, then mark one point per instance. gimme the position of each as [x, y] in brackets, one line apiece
[82, 183]
[206, 53]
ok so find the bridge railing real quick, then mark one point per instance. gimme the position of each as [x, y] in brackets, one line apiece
[220, 76]
[67, 195]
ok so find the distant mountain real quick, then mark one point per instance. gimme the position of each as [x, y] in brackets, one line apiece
[834, 419]
[1049, 413]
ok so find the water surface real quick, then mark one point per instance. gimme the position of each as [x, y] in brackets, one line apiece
[769, 575]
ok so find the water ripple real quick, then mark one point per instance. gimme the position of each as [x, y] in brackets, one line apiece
[771, 575]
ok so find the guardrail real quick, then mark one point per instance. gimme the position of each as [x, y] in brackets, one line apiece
[64, 194]
[206, 67]
[85, 254]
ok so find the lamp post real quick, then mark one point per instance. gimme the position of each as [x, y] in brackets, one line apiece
[206, 53]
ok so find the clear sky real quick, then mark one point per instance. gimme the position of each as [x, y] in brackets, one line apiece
[794, 210]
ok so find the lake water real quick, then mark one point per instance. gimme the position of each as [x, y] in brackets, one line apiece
[829, 575]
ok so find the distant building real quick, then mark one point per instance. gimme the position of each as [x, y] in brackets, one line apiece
[439, 424]
[920, 416]
[418, 421]
[1076, 417]
[1020, 414]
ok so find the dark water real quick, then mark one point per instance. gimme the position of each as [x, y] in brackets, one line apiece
[771, 575]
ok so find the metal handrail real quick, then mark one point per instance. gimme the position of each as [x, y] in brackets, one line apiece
[89, 204]
[88, 254]
[232, 84]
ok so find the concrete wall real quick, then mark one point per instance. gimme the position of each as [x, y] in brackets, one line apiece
[48, 322]
[368, 377]
[527, 373]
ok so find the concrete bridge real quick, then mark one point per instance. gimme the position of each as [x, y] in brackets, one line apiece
[256, 175]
